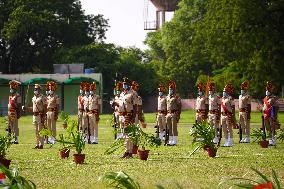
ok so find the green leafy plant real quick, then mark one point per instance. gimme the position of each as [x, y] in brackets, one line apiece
[72, 127]
[5, 143]
[64, 117]
[64, 142]
[15, 181]
[264, 181]
[258, 135]
[77, 141]
[280, 134]
[137, 137]
[203, 135]
[45, 132]
[119, 180]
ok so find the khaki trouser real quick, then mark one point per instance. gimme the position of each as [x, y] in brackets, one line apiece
[124, 122]
[171, 119]
[244, 123]
[213, 122]
[226, 126]
[269, 126]
[37, 122]
[80, 119]
[13, 123]
[85, 123]
[161, 119]
[51, 122]
[93, 125]
[136, 119]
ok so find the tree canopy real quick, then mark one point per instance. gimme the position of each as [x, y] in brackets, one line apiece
[32, 31]
[229, 40]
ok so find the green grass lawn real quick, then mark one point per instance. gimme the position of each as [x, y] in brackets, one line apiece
[166, 165]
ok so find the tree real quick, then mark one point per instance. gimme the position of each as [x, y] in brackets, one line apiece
[32, 31]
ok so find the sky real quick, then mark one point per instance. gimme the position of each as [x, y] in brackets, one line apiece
[126, 19]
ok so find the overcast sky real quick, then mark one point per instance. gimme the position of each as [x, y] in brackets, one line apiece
[126, 19]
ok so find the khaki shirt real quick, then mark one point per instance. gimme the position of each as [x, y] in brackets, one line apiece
[14, 100]
[52, 101]
[86, 103]
[128, 99]
[201, 102]
[119, 101]
[162, 103]
[80, 101]
[214, 102]
[244, 101]
[136, 99]
[94, 102]
[228, 102]
[173, 103]
[38, 103]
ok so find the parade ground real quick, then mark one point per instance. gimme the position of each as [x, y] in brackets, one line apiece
[169, 166]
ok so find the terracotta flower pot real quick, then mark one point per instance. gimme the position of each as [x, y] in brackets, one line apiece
[5, 162]
[264, 143]
[143, 154]
[134, 149]
[64, 153]
[205, 147]
[211, 152]
[64, 125]
[79, 158]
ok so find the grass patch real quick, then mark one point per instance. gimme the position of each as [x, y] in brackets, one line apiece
[165, 166]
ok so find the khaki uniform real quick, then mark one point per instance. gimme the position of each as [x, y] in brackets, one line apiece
[80, 101]
[52, 112]
[128, 100]
[173, 113]
[214, 108]
[162, 112]
[94, 110]
[244, 114]
[14, 113]
[38, 115]
[227, 108]
[201, 105]
[85, 117]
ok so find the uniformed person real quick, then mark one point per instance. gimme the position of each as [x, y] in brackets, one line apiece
[14, 110]
[214, 111]
[80, 100]
[85, 117]
[270, 111]
[161, 111]
[173, 113]
[39, 111]
[244, 112]
[201, 104]
[52, 110]
[227, 114]
[118, 107]
[137, 103]
[94, 113]
[128, 114]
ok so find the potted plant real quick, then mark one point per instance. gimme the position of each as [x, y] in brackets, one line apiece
[138, 137]
[280, 135]
[5, 143]
[13, 180]
[65, 150]
[260, 136]
[263, 183]
[147, 140]
[64, 118]
[203, 135]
